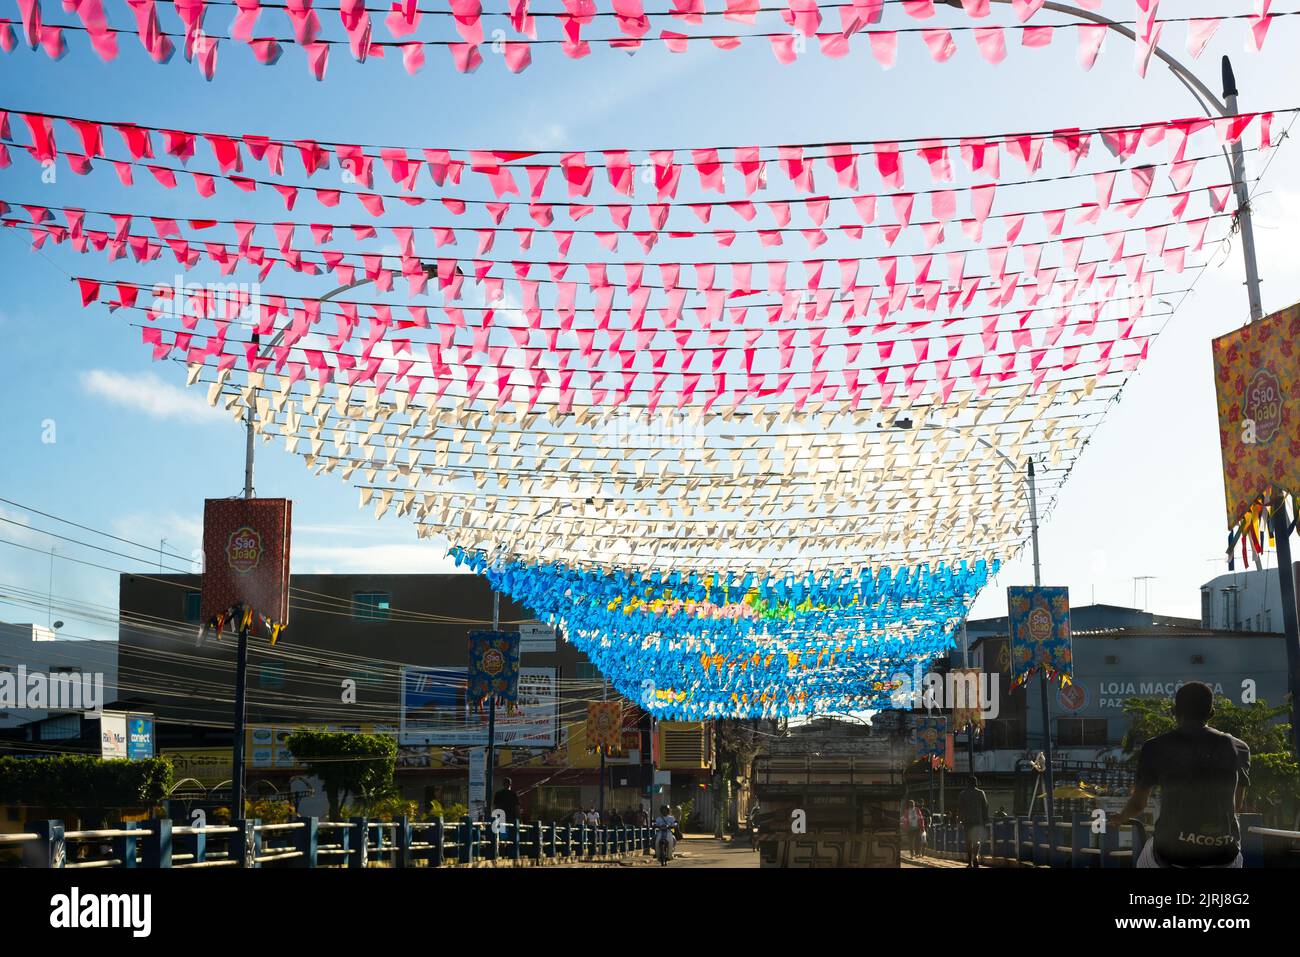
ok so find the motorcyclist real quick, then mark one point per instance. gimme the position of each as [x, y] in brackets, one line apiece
[665, 825]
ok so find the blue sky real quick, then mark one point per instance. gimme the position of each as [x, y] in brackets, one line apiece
[135, 453]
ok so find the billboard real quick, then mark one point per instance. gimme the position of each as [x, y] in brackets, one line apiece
[268, 748]
[1257, 381]
[139, 736]
[1040, 632]
[246, 557]
[209, 766]
[435, 711]
[536, 638]
[112, 734]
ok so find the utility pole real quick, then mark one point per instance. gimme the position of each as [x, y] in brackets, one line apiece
[600, 803]
[1042, 676]
[1245, 225]
[1281, 524]
[241, 668]
[492, 716]
[241, 654]
[970, 726]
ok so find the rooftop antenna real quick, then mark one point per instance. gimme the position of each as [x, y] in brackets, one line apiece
[1146, 590]
[49, 593]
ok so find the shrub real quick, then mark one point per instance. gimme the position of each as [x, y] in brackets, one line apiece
[269, 810]
[84, 782]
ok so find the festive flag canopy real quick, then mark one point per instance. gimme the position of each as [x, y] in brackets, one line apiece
[750, 422]
[467, 35]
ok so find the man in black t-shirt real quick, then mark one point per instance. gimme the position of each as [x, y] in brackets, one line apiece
[973, 807]
[507, 800]
[1203, 775]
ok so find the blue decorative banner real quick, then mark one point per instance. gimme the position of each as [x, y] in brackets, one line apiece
[493, 668]
[930, 738]
[1040, 633]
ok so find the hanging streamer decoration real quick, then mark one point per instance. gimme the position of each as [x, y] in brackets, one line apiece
[765, 482]
[459, 30]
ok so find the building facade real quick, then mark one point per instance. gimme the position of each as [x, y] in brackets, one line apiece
[52, 674]
[1119, 654]
[1244, 601]
[386, 654]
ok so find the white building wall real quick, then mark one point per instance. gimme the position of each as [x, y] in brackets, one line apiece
[1243, 601]
[41, 651]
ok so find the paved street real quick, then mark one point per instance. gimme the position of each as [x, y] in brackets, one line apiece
[693, 852]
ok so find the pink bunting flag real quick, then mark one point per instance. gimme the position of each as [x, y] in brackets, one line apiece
[1091, 37]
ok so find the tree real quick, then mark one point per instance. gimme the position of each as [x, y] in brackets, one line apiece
[1274, 777]
[738, 742]
[1256, 723]
[346, 763]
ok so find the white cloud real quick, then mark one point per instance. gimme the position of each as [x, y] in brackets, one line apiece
[369, 559]
[148, 394]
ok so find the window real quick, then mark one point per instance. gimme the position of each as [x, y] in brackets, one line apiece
[1231, 611]
[370, 605]
[1081, 732]
[1112, 659]
[586, 671]
[272, 675]
[1198, 659]
[1207, 608]
[193, 602]
[1004, 733]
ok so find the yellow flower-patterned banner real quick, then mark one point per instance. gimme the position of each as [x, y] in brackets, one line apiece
[605, 726]
[1257, 376]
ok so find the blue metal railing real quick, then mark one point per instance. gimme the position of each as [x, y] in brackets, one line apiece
[310, 842]
[1024, 841]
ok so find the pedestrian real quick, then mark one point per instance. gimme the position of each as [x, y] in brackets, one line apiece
[593, 816]
[1202, 775]
[911, 822]
[579, 817]
[926, 821]
[507, 800]
[973, 807]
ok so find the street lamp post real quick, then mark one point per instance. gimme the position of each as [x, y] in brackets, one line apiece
[1279, 518]
[241, 652]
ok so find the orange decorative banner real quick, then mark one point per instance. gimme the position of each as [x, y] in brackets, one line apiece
[1257, 376]
[605, 726]
[967, 706]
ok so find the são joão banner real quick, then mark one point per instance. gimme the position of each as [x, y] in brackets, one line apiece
[930, 732]
[493, 668]
[246, 556]
[605, 726]
[1257, 377]
[1040, 632]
